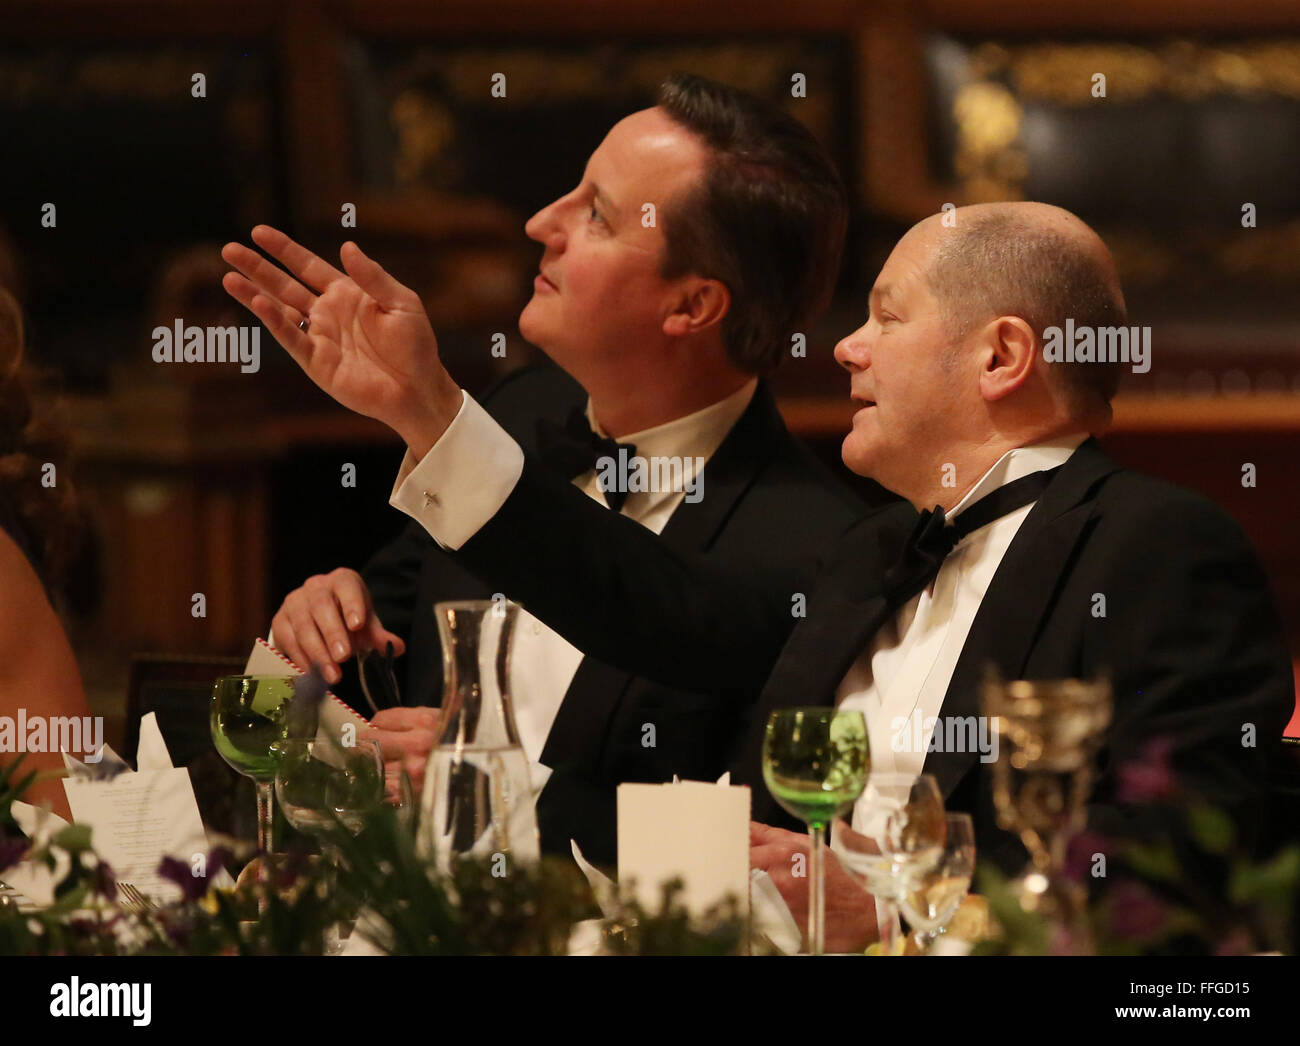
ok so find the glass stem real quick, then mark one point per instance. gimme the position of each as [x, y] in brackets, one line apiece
[265, 825]
[888, 927]
[265, 830]
[817, 890]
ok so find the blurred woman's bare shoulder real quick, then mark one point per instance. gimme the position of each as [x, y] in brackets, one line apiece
[39, 524]
[30, 630]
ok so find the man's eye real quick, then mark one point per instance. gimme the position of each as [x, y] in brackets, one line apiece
[594, 215]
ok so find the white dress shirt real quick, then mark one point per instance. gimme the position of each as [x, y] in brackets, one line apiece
[900, 680]
[903, 675]
[465, 479]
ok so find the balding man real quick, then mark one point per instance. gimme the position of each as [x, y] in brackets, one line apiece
[965, 417]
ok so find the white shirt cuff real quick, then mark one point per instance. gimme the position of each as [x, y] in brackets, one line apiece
[464, 479]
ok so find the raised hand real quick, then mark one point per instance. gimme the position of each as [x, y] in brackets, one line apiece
[368, 341]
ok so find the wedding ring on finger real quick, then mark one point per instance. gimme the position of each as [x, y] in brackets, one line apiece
[304, 323]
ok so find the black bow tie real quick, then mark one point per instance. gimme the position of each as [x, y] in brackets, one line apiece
[933, 537]
[572, 449]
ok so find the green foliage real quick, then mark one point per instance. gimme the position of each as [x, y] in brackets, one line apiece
[1151, 903]
[11, 787]
[1195, 892]
[489, 907]
[668, 931]
[1019, 932]
[1153, 861]
[1211, 828]
[494, 907]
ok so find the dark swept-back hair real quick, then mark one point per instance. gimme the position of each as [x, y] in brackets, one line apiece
[767, 218]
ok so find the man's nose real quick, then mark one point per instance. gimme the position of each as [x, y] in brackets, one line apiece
[545, 227]
[851, 353]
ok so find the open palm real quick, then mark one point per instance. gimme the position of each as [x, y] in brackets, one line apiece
[368, 344]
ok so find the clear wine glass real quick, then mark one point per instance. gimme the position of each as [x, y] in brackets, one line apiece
[399, 793]
[322, 786]
[897, 832]
[933, 895]
[815, 762]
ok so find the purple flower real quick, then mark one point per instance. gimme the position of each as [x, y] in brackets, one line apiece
[1080, 854]
[1135, 913]
[192, 886]
[103, 881]
[177, 926]
[1150, 778]
[82, 927]
[219, 857]
[11, 852]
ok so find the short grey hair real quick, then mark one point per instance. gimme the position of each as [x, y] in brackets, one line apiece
[1000, 264]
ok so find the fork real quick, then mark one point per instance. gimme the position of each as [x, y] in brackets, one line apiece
[133, 900]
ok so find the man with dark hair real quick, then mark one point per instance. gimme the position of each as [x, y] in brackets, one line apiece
[767, 218]
[1032, 529]
[663, 329]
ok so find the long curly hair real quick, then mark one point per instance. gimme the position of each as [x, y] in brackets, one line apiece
[51, 516]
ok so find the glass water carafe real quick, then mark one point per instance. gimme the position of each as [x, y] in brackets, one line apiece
[477, 798]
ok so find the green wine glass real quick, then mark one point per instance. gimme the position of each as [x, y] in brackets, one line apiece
[247, 716]
[815, 764]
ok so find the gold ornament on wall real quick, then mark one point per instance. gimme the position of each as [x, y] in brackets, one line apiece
[989, 161]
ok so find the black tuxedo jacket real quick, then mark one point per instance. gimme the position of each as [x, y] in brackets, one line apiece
[767, 507]
[1189, 636]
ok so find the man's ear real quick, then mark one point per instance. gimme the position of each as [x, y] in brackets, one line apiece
[700, 305]
[1007, 349]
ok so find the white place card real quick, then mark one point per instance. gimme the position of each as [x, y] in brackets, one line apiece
[690, 830]
[138, 818]
[265, 660]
